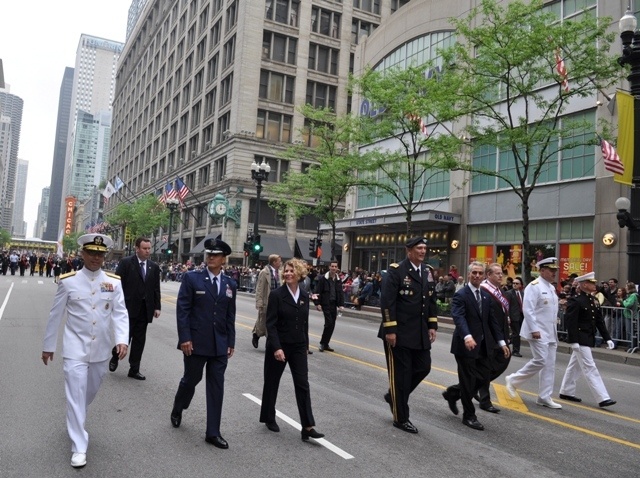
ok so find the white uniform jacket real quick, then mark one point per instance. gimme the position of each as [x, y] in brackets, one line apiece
[540, 310]
[94, 304]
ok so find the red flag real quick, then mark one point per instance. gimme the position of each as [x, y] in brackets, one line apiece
[561, 68]
[611, 159]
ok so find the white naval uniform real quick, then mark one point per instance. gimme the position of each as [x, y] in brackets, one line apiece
[94, 306]
[540, 311]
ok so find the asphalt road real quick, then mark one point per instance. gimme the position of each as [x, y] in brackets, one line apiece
[131, 435]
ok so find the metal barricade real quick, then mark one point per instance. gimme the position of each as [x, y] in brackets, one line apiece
[623, 325]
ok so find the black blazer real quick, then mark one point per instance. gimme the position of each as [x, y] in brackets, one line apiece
[484, 328]
[287, 321]
[515, 307]
[137, 292]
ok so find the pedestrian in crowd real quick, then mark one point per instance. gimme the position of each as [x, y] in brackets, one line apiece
[449, 288]
[515, 296]
[330, 300]
[460, 283]
[287, 342]
[23, 264]
[49, 265]
[268, 280]
[141, 284]
[479, 313]
[13, 262]
[582, 319]
[631, 306]
[93, 302]
[453, 273]
[409, 325]
[440, 289]
[57, 268]
[365, 293]
[540, 308]
[33, 261]
[206, 315]
[42, 262]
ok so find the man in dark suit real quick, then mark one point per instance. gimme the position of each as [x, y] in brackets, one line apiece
[409, 324]
[515, 296]
[330, 300]
[141, 286]
[474, 338]
[206, 314]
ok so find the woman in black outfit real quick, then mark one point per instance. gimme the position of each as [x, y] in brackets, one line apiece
[288, 341]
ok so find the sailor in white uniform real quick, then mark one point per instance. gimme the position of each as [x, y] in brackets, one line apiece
[540, 329]
[93, 303]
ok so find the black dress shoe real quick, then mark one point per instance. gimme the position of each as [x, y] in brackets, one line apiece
[254, 341]
[273, 426]
[406, 426]
[452, 403]
[306, 434]
[490, 408]
[328, 349]
[516, 354]
[136, 375]
[606, 403]
[309, 352]
[113, 363]
[321, 348]
[218, 442]
[571, 398]
[176, 417]
[473, 423]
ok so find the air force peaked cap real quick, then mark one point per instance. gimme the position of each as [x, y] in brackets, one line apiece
[414, 241]
[216, 246]
[95, 242]
[550, 262]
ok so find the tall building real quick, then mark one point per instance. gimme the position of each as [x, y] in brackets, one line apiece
[205, 88]
[89, 115]
[135, 10]
[55, 198]
[43, 212]
[19, 226]
[11, 108]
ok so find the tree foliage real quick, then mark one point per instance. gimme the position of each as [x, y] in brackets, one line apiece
[143, 217]
[403, 166]
[504, 78]
[5, 238]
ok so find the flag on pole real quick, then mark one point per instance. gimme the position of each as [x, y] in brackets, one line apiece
[561, 68]
[109, 190]
[168, 193]
[119, 183]
[182, 190]
[59, 251]
[626, 137]
[611, 159]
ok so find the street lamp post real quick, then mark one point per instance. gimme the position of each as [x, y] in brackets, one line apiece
[259, 172]
[172, 204]
[630, 38]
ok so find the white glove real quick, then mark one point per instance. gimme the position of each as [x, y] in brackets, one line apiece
[610, 345]
[575, 347]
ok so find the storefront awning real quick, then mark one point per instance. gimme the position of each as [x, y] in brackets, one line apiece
[272, 244]
[379, 220]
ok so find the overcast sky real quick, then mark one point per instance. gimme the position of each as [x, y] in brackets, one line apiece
[38, 39]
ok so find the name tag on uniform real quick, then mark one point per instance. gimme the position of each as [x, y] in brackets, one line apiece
[199, 292]
[229, 292]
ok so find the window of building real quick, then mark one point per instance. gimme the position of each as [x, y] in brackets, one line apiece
[212, 68]
[219, 169]
[279, 167]
[223, 127]
[276, 87]
[279, 48]
[195, 114]
[214, 37]
[578, 162]
[201, 51]
[396, 4]
[232, 15]
[184, 124]
[320, 95]
[229, 52]
[360, 28]
[203, 176]
[325, 22]
[274, 126]
[283, 11]
[372, 6]
[210, 103]
[324, 59]
[198, 83]
[577, 229]
[226, 87]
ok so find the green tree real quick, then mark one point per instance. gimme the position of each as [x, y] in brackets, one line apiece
[402, 153]
[142, 217]
[70, 242]
[503, 73]
[5, 238]
[330, 171]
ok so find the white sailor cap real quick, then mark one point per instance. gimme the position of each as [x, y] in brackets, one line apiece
[95, 242]
[550, 262]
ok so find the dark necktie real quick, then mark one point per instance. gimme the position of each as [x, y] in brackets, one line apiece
[142, 270]
[479, 300]
[215, 286]
[275, 277]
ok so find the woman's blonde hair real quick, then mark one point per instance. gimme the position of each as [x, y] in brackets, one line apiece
[299, 268]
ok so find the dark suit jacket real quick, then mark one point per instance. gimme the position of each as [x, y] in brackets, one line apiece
[323, 290]
[287, 321]
[484, 328]
[205, 319]
[138, 292]
[515, 308]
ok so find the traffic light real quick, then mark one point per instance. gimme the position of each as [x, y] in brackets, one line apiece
[257, 247]
[318, 248]
[313, 247]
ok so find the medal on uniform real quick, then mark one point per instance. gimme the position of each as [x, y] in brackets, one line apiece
[106, 306]
[106, 287]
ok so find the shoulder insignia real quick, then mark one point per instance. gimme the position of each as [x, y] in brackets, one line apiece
[111, 274]
[429, 266]
[394, 265]
[535, 282]
[68, 274]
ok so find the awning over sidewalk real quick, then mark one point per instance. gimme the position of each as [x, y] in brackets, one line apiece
[272, 244]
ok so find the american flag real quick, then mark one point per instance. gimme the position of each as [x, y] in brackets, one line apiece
[611, 159]
[182, 190]
[561, 68]
[418, 119]
[168, 193]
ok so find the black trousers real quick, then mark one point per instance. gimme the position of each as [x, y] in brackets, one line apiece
[137, 338]
[516, 325]
[473, 373]
[406, 368]
[193, 368]
[296, 357]
[329, 322]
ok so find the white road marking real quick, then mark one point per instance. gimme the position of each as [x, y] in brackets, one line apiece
[6, 299]
[325, 443]
[625, 381]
